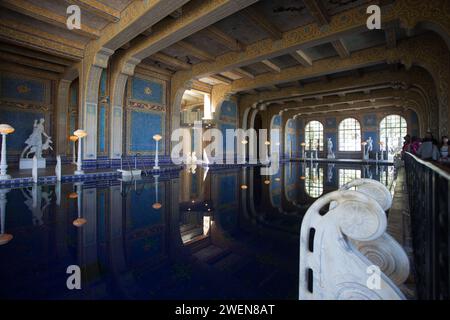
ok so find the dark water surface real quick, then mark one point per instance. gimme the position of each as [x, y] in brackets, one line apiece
[229, 234]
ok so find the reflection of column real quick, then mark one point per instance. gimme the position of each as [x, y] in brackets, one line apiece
[88, 234]
[174, 238]
[117, 254]
[4, 237]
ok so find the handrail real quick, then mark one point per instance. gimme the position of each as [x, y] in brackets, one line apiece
[429, 206]
[430, 165]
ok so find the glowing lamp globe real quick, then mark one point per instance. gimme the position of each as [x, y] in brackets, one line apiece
[244, 141]
[5, 238]
[79, 222]
[157, 137]
[244, 187]
[80, 133]
[266, 181]
[267, 143]
[6, 129]
[157, 206]
[73, 195]
[303, 144]
[73, 138]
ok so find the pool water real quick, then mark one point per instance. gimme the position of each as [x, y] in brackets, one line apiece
[221, 234]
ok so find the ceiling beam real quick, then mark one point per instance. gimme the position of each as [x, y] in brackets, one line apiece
[318, 11]
[39, 40]
[194, 51]
[177, 13]
[35, 54]
[391, 37]
[241, 72]
[341, 48]
[224, 39]
[166, 59]
[99, 9]
[31, 62]
[271, 65]
[48, 16]
[196, 17]
[302, 58]
[297, 38]
[17, 68]
[259, 20]
[221, 79]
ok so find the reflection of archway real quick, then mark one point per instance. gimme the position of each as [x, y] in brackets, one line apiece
[257, 126]
[70, 81]
[392, 130]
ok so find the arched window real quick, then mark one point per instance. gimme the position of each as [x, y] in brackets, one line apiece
[392, 130]
[349, 135]
[314, 181]
[313, 135]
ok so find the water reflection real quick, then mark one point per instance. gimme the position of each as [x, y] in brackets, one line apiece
[192, 235]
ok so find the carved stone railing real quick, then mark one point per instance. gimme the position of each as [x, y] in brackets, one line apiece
[429, 190]
[345, 252]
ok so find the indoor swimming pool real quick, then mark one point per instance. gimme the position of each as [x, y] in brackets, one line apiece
[222, 234]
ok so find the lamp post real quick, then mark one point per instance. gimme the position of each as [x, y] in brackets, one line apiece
[156, 137]
[80, 133]
[244, 146]
[5, 129]
[303, 144]
[363, 144]
[267, 143]
[73, 139]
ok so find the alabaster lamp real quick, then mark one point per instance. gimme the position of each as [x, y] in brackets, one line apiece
[73, 139]
[156, 137]
[80, 134]
[303, 144]
[5, 129]
[363, 144]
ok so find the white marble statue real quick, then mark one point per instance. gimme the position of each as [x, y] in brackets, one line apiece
[194, 158]
[368, 147]
[346, 253]
[330, 149]
[35, 146]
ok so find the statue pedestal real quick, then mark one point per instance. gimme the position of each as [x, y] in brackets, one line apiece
[28, 163]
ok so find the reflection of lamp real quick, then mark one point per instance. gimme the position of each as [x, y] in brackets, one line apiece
[156, 137]
[156, 205]
[73, 139]
[4, 237]
[5, 129]
[244, 187]
[79, 222]
[80, 133]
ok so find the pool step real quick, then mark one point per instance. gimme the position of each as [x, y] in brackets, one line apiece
[211, 254]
